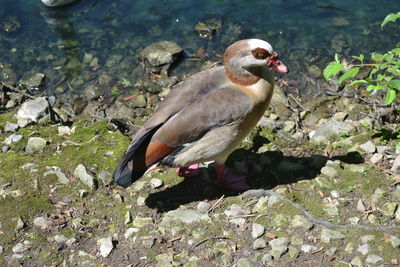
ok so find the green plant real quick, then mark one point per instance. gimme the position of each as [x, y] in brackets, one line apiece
[125, 82]
[384, 69]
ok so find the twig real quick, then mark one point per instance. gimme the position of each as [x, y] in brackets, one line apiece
[207, 239]
[174, 239]
[242, 216]
[320, 221]
[298, 103]
[70, 86]
[211, 209]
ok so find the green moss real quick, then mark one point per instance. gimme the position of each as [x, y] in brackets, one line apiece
[49, 255]
[27, 207]
[4, 117]
[170, 177]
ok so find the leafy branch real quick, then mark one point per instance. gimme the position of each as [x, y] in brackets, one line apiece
[384, 69]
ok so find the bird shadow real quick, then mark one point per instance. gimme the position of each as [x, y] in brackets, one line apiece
[264, 170]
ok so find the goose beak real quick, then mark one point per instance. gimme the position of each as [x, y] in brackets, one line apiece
[277, 65]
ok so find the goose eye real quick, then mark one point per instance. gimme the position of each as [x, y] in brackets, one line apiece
[260, 53]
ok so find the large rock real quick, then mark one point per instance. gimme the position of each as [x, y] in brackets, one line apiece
[186, 216]
[32, 110]
[279, 246]
[159, 56]
[35, 144]
[12, 139]
[331, 129]
[86, 176]
[396, 165]
[106, 246]
[57, 3]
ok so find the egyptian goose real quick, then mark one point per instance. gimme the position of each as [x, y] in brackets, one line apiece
[206, 116]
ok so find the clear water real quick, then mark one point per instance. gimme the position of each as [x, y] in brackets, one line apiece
[54, 41]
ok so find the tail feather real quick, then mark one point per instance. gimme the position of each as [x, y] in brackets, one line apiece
[124, 175]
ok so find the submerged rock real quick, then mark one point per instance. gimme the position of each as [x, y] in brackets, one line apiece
[57, 3]
[10, 24]
[207, 29]
[33, 82]
[159, 56]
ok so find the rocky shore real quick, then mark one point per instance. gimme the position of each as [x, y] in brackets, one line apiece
[324, 172]
[323, 163]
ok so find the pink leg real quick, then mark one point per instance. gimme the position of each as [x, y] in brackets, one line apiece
[226, 179]
[189, 171]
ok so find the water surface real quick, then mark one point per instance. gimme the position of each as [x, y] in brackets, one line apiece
[54, 41]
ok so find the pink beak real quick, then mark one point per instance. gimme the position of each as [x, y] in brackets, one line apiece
[277, 65]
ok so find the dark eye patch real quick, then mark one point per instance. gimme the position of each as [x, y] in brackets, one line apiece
[260, 53]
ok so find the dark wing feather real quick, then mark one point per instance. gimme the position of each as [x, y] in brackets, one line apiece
[125, 174]
[217, 108]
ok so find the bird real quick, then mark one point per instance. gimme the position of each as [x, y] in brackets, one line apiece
[205, 117]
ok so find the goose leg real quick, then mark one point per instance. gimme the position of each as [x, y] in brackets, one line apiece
[188, 171]
[228, 180]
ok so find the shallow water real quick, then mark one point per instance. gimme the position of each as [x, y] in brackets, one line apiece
[54, 41]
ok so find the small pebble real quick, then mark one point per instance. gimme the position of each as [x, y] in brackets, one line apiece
[363, 249]
[203, 206]
[373, 259]
[156, 183]
[259, 243]
[308, 248]
[376, 158]
[106, 246]
[368, 147]
[360, 206]
[257, 230]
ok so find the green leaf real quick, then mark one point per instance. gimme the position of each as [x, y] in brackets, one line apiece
[337, 58]
[396, 51]
[332, 69]
[392, 17]
[395, 84]
[388, 56]
[390, 96]
[377, 57]
[359, 58]
[394, 71]
[126, 82]
[349, 74]
[373, 87]
[357, 82]
[115, 91]
[372, 73]
[380, 77]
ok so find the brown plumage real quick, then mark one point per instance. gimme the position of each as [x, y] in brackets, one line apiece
[206, 116]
